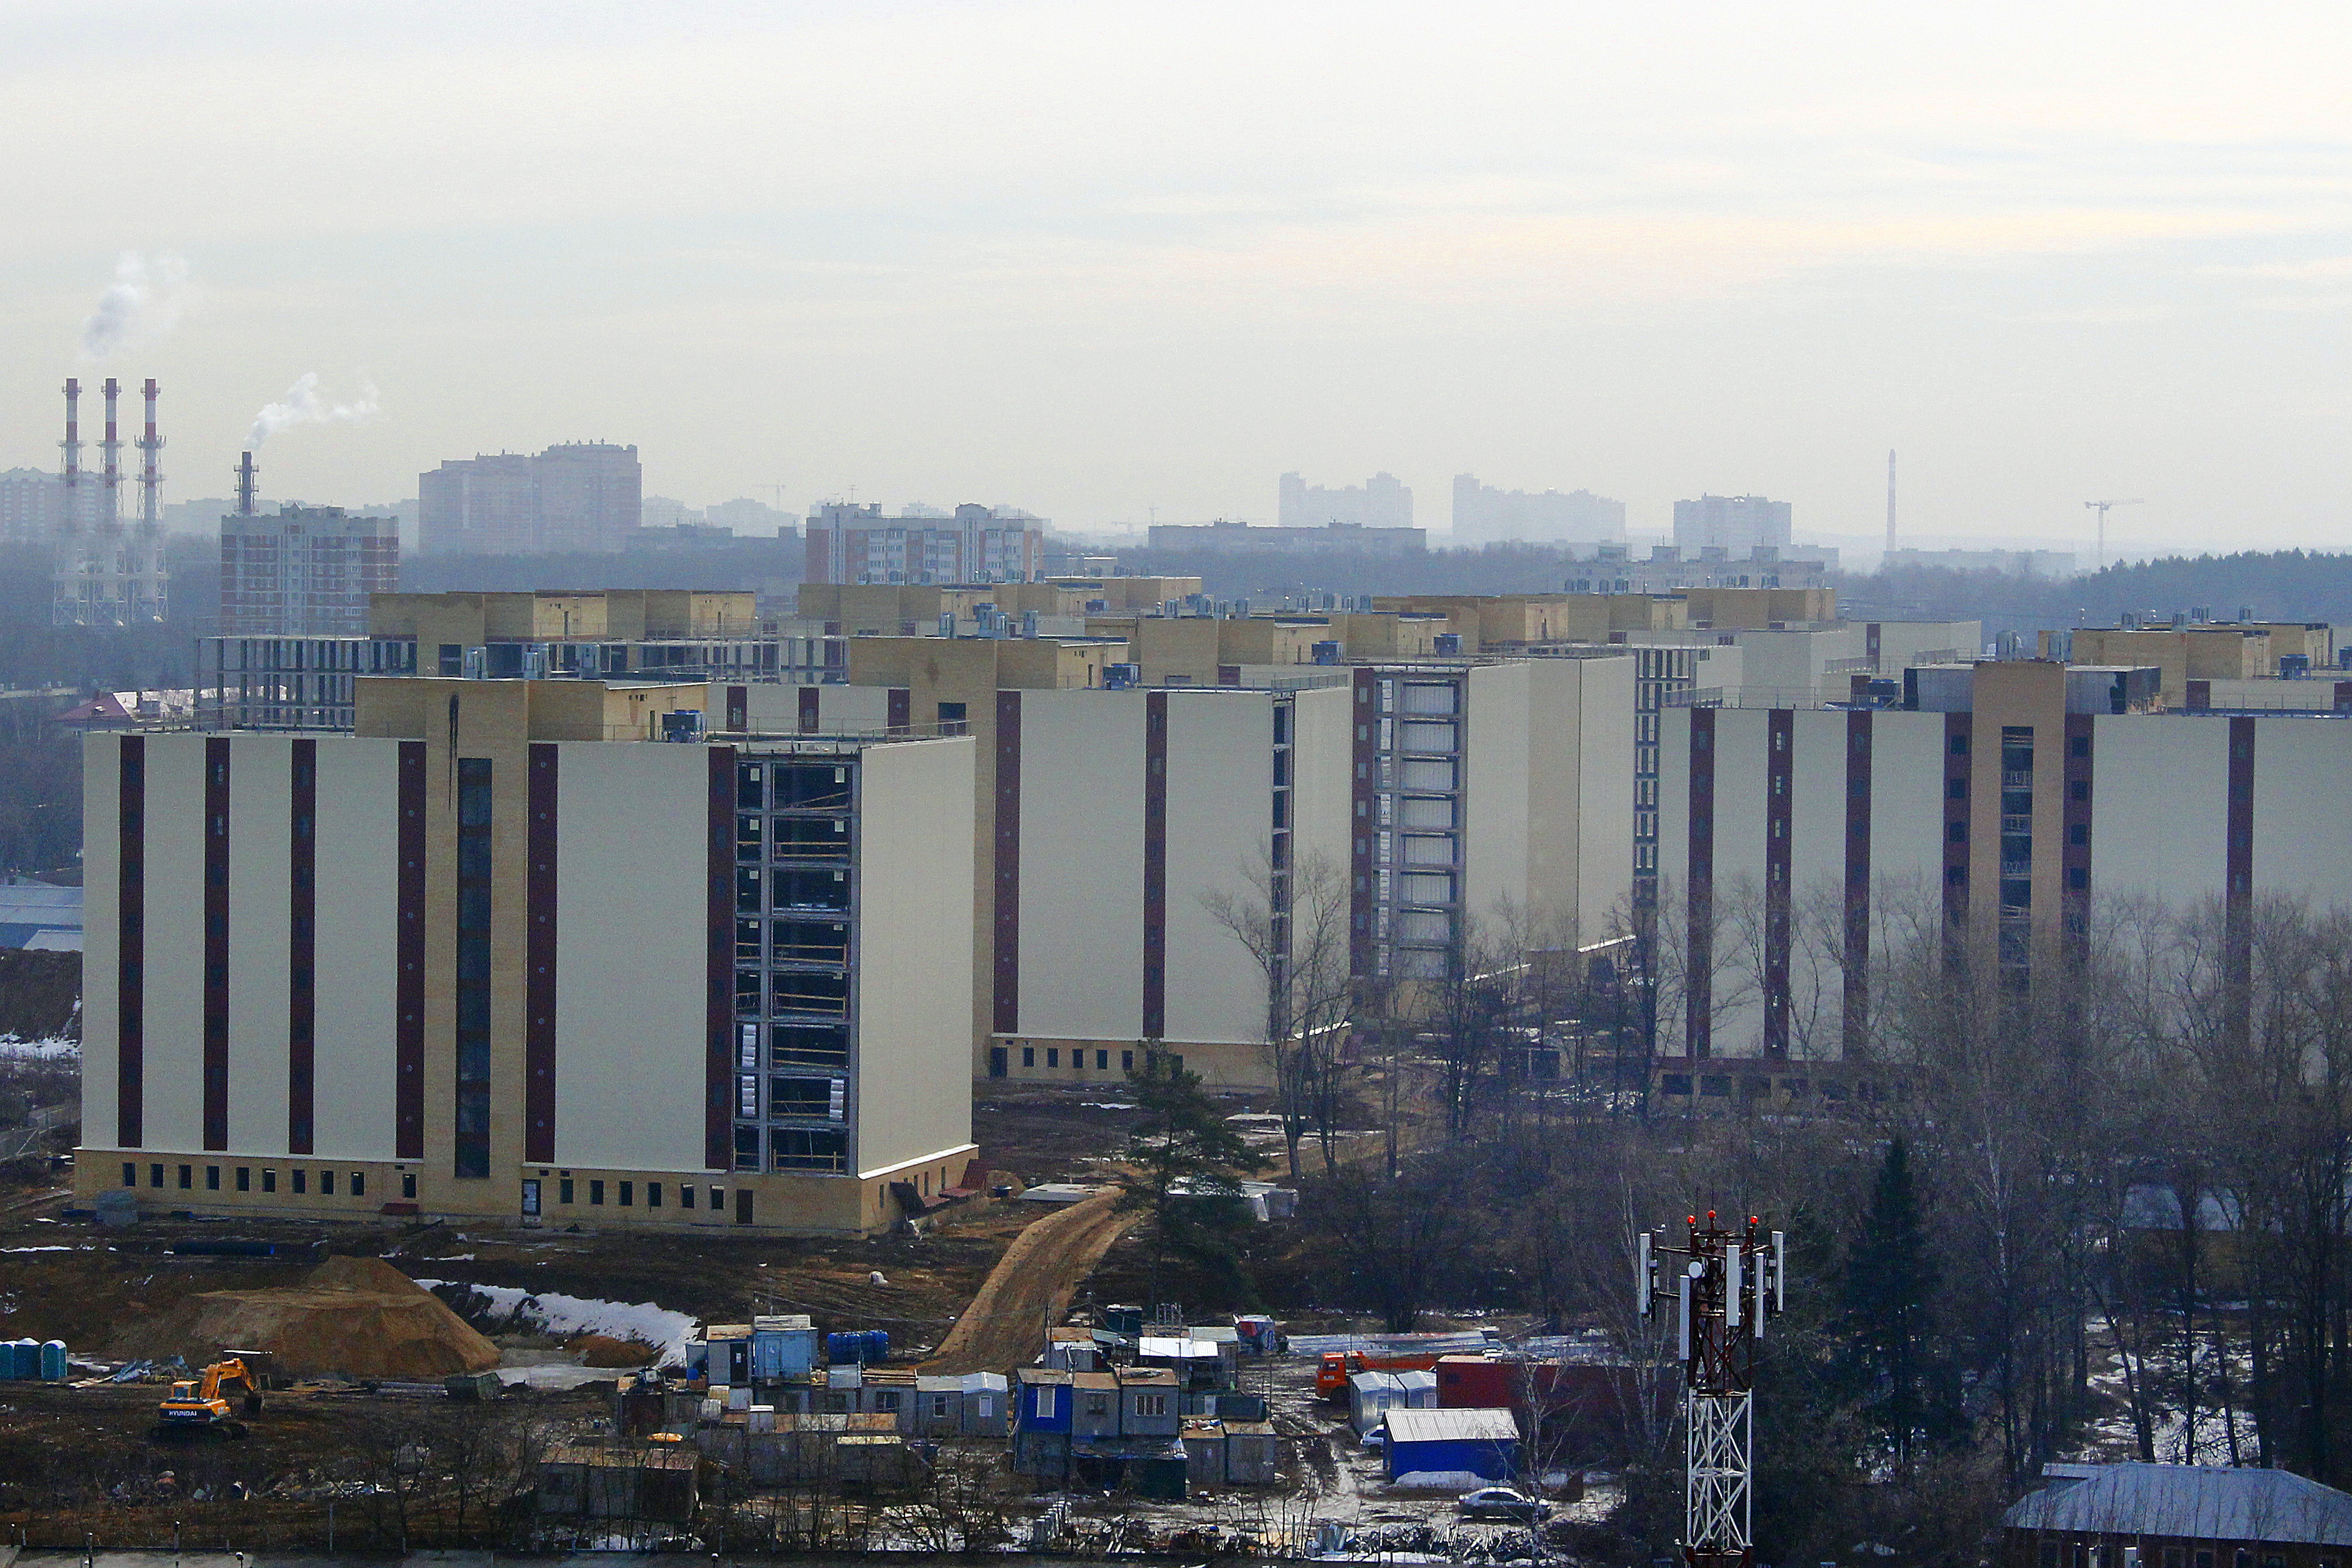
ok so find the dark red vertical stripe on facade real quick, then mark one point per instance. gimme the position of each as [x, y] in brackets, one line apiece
[1361, 827]
[130, 954]
[1698, 1009]
[718, 998]
[1956, 728]
[408, 1036]
[1859, 734]
[899, 705]
[739, 710]
[1155, 865]
[302, 950]
[215, 1044]
[810, 712]
[1780, 757]
[539, 960]
[2074, 849]
[2238, 892]
[1006, 946]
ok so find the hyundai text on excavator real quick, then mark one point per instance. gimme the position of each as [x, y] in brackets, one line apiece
[201, 1407]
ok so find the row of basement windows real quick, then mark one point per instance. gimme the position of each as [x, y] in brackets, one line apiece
[625, 1193]
[1078, 1058]
[241, 1179]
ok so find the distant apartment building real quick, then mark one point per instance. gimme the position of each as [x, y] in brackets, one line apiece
[505, 955]
[584, 498]
[32, 504]
[1734, 523]
[1380, 501]
[852, 542]
[1486, 515]
[1258, 539]
[304, 572]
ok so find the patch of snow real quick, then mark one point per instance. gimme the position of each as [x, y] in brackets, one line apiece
[38, 1051]
[60, 1248]
[1432, 1480]
[547, 1312]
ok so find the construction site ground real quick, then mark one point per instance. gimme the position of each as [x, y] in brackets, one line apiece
[1004, 1268]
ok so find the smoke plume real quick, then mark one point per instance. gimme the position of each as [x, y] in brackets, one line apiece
[303, 405]
[143, 304]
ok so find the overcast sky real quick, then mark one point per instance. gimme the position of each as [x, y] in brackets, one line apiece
[1095, 258]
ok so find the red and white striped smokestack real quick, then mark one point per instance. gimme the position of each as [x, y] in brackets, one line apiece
[150, 475]
[245, 485]
[72, 443]
[110, 451]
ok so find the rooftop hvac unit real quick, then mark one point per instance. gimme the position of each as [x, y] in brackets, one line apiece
[1449, 644]
[2294, 667]
[1326, 653]
[476, 662]
[535, 662]
[683, 725]
[1122, 677]
[947, 623]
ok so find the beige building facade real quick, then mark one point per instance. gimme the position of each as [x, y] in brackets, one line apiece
[502, 955]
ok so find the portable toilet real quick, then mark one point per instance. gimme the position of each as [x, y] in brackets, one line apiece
[25, 1359]
[53, 1362]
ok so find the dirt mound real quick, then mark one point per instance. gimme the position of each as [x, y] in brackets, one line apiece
[357, 1316]
[603, 1350]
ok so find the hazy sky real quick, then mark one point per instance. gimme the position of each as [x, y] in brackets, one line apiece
[1097, 258]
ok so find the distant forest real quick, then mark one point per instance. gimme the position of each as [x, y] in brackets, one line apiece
[2286, 584]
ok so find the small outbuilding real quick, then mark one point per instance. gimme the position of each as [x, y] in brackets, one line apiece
[1482, 1443]
[2180, 1516]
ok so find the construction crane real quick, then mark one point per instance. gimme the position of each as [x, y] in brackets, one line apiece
[201, 1406]
[2099, 562]
[1728, 1280]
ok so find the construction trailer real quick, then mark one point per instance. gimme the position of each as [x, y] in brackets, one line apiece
[655, 1482]
[1482, 1443]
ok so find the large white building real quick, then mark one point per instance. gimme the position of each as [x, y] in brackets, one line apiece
[853, 542]
[1486, 515]
[1380, 501]
[1735, 524]
[503, 954]
[586, 497]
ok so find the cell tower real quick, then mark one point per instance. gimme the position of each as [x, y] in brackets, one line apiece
[1728, 1282]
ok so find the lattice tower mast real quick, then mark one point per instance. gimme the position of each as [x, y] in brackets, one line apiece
[1720, 1286]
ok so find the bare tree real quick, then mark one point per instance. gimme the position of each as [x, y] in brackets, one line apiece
[1296, 924]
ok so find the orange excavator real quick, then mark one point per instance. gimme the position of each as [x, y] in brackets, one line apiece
[201, 1407]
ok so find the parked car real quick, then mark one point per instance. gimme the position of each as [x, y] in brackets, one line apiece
[1500, 1502]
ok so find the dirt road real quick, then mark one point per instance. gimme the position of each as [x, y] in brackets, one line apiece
[1031, 1288]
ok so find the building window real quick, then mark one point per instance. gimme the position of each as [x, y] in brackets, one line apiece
[1151, 1405]
[653, 1194]
[1028, 1056]
[563, 1190]
[1127, 1061]
[244, 1178]
[952, 719]
[596, 1193]
[887, 1399]
[269, 1181]
[472, 992]
[1053, 1059]
[130, 1175]
[302, 1181]
[211, 1178]
[685, 1194]
[359, 1184]
[809, 1149]
[327, 1183]
[187, 1177]
[717, 1199]
[628, 1195]
[408, 1184]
